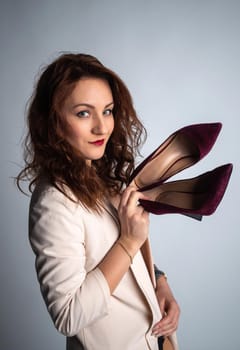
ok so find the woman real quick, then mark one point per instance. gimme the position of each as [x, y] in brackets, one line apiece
[89, 235]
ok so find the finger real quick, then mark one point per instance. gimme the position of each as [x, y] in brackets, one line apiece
[164, 323]
[134, 198]
[167, 330]
[133, 183]
[132, 203]
[159, 331]
[125, 196]
[167, 325]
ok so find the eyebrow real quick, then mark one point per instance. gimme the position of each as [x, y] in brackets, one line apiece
[89, 105]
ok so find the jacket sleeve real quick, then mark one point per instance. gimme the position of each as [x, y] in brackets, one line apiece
[74, 298]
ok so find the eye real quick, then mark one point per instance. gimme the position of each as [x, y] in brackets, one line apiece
[108, 111]
[83, 114]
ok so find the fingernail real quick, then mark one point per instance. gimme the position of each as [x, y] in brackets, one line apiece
[155, 332]
[156, 335]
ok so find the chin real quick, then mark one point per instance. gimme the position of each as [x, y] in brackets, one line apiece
[96, 157]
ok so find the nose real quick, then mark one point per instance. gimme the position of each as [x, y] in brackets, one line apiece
[99, 125]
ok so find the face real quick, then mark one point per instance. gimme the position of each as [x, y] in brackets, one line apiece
[88, 112]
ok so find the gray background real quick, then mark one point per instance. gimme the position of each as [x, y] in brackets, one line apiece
[181, 61]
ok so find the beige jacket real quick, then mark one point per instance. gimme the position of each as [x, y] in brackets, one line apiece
[69, 242]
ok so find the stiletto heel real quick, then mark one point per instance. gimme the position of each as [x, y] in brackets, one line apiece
[193, 197]
[182, 149]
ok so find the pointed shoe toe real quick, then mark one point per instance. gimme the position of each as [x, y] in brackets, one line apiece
[193, 197]
[179, 151]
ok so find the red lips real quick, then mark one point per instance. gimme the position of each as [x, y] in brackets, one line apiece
[98, 142]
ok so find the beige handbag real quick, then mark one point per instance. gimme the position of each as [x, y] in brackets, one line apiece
[170, 343]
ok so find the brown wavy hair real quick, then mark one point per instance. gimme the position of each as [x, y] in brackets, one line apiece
[48, 154]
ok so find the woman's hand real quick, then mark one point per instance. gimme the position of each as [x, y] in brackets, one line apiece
[134, 231]
[134, 220]
[169, 309]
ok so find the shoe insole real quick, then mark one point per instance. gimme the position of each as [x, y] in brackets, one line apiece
[185, 194]
[176, 154]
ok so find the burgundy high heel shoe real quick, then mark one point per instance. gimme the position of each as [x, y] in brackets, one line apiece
[182, 149]
[197, 196]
